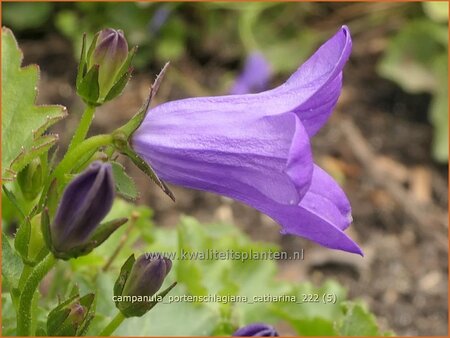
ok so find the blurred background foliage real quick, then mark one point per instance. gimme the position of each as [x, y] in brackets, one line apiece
[307, 315]
[415, 58]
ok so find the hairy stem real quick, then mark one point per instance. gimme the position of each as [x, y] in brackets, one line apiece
[70, 160]
[83, 127]
[24, 311]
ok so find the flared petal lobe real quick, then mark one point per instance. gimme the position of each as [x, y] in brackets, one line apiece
[321, 216]
[256, 330]
[256, 149]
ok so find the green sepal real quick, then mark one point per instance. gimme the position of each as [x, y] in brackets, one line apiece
[138, 309]
[147, 169]
[82, 65]
[123, 135]
[52, 198]
[130, 127]
[100, 235]
[91, 49]
[57, 316]
[45, 228]
[126, 65]
[125, 185]
[89, 302]
[106, 229]
[59, 321]
[119, 86]
[123, 276]
[89, 89]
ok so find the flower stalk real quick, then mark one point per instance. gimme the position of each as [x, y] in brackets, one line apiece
[83, 127]
[113, 325]
[26, 297]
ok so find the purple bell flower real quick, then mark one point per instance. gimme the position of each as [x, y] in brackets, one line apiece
[256, 330]
[256, 149]
[85, 202]
[255, 76]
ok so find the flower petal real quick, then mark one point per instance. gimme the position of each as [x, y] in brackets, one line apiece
[299, 221]
[327, 200]
[319, 81]
[255, 148]
[231, 153]
[311, 92]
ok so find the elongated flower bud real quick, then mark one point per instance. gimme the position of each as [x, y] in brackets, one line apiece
[104, 68]
[139, 281]
[30, 179]
[147, 275]
[256, 330]
[110, 53]
[85, 202]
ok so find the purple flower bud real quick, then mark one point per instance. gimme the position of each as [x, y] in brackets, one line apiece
[85, 202]
[256, 330]
[77, 313]
[256, 148]
[255, 76]
[147, 275]
[110, 54]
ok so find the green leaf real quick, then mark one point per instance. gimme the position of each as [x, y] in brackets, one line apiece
[12, 265]
[40, 146]
[8, 316]
[23, 123]
[357, 321]
[125, 185]
[23, 234]
[316, 326]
